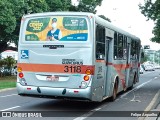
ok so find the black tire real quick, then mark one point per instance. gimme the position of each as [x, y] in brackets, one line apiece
[134, 82]
[115, 89]
[131, 87]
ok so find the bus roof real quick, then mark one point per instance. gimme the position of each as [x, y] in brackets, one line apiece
[98, 19]
[58, 13]
[107, 24]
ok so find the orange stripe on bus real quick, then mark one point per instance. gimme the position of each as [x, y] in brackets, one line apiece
[57, 68]
[102, 61]
[119, 69]
[119, 66]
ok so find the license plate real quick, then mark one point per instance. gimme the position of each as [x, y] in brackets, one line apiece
[52, 78]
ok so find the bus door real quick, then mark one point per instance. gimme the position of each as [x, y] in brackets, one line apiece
[109, 34]
[107, 41]
[128, 64]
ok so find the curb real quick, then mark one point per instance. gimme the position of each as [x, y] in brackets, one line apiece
[7, 89]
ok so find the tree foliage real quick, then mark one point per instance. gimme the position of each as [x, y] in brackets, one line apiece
[8, 20]
[59, 5]
[87, 5]
[151, 10]
[144, 57]
[11, 12]
[105, 18]
[9, 61]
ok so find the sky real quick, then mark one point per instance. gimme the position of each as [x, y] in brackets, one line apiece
[126, 15]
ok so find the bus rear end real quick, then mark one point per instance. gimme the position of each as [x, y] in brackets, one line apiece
[55, 56]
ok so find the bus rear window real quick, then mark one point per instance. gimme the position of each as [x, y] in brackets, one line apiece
[57, 28]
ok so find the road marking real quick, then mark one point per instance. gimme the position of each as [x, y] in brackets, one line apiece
[97, 109]
[136, 88]
[10, 108]
[155, 77]
[141, 85]
[7, 95]
[152, 104]
[84, 116]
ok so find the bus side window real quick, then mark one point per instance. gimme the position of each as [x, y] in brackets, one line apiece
[125, 47]
[100, 42]
[120, 46]
[115, 46]
[100, 51]
[133, 49]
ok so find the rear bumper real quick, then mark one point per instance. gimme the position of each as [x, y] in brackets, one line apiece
[49, 92]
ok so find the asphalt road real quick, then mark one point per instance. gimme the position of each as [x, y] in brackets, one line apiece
[137, 99]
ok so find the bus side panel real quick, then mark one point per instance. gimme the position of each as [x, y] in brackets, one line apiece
[98, 82]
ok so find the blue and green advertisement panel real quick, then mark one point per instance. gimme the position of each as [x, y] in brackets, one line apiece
[57, 28]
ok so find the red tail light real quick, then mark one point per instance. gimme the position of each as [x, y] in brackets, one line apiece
[21, 75]
[86, 78]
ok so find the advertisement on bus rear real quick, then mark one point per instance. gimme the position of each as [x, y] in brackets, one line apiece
[57, 28]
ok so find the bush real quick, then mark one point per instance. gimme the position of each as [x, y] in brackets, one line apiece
[6, 66]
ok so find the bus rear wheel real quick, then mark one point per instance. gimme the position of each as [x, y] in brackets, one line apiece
[115, 89]
[134, 82]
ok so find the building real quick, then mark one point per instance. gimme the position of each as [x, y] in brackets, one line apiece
[153, 56]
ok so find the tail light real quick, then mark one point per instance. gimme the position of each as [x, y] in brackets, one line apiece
[86, 78]
[21, 75]
[19, 69]
[88, 72]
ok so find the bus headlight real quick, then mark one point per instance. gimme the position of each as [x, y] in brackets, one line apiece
[22, 81]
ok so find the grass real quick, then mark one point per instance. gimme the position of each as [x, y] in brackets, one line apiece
[7, 82]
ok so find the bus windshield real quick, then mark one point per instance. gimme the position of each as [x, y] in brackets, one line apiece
[57, 28]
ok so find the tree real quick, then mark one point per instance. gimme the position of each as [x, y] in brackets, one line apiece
[2, 62]
[104, 17]
[86, 6]
[8, 20]
[9, 62]
[59, 5]
[144, 57]
[3, 46]
[11, 12]
[25, 7]
[151, 10]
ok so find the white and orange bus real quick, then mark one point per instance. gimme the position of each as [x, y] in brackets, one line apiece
[75, 55]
